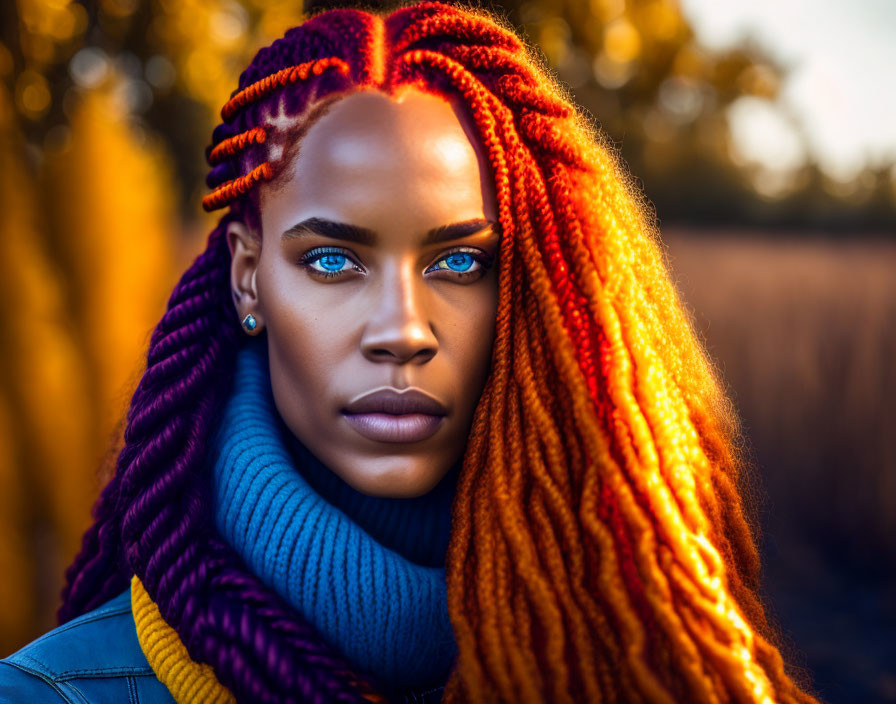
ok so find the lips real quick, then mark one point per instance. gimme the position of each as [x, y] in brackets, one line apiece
[388, 415]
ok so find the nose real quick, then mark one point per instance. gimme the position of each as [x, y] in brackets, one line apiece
[399, 329]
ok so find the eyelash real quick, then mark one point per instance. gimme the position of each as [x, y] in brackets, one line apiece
[315, 254]
[310, 257]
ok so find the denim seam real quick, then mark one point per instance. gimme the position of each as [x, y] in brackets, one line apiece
[99, 672]
[46, 679]
[133, 697]
[93, 672]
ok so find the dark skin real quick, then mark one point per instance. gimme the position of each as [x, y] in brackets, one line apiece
[375, 269]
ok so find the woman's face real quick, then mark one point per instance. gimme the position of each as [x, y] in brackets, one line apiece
[375, 281]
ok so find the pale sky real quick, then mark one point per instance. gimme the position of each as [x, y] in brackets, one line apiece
[841, 86]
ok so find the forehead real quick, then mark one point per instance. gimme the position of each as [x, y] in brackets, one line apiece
[385, 161]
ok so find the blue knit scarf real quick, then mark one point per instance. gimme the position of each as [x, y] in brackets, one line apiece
[367, 572]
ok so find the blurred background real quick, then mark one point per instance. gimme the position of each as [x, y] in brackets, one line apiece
[763, 134]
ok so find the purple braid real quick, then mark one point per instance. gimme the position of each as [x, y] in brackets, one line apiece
[154, 522]
[153, 518]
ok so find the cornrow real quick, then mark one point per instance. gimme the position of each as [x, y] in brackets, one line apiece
[230, 191]
[599, 549]
[284, 77]
[456, 26]
[234, 145]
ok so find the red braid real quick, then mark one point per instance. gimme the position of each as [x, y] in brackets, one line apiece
[278, 80]
[234, 145]
[230, 191]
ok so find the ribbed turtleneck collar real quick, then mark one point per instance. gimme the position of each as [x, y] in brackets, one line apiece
[418, 528]
[367, 572]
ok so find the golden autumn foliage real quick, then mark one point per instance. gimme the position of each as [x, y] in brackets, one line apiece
[45, 456]
[113, 223]
[15, 561]
[211, 42]
[87, 260]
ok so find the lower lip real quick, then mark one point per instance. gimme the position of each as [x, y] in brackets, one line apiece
[385, 427]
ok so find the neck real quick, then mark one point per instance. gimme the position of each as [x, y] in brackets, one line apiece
[417, 528]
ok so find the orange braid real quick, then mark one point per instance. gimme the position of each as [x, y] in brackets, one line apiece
[667, 596]
[519, 93]
[599, 548]
[457, 24]
[234, 145]
[230, 191]
[284, 77]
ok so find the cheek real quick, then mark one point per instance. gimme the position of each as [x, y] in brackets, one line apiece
[472, 332]
[308, 343]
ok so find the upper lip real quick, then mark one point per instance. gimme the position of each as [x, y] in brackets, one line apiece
[396, 402]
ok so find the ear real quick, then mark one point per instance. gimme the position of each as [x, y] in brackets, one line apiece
[245, 254]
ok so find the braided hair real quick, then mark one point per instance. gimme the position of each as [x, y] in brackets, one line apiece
[599, 547]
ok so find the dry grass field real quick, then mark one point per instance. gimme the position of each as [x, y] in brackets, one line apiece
[803, 332]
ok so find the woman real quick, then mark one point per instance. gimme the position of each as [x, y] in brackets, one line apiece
[435, 317]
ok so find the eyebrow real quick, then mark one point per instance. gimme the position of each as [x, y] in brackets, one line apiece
[362, 235]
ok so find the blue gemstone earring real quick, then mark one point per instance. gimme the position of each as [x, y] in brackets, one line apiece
[249, 323]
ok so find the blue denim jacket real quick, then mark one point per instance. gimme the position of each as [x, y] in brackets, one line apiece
[93, 659]
[96, 659]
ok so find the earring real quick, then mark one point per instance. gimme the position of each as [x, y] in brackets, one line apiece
[249, 323]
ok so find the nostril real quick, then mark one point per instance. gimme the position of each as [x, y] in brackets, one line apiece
[426, 354]
[397, 355]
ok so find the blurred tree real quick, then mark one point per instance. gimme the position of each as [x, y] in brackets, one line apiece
[112, 225]
[46, 455]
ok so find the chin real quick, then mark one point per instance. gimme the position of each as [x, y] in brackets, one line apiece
[395, 478]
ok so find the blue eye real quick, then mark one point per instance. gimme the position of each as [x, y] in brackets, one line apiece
[328, 262]
[332, 262]
[457, 261]
[460, 261]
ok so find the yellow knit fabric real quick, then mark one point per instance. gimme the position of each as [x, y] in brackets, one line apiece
[188, 681]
